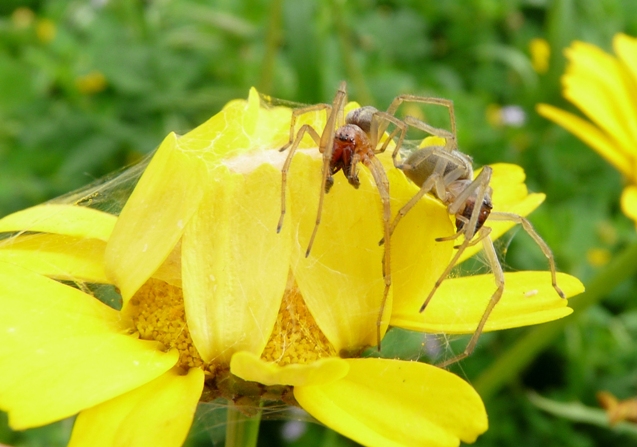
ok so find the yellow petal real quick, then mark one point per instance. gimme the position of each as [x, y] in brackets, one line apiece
[57, 256]
[626, 48]
[459, 303]
[251, 368]
[170, 270]
[62, 351]
[155, 216]
[227, 134]
[157, 414]
[396, 403]
[242, 128]
[586, 94]
[599, 85]
[629, 202]
[70, 220]
[590, 135]
[540, 55]
[170, 191]
[235, 265]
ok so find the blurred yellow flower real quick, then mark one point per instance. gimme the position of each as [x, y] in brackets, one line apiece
[22, 17]
[603, 87]
[90, 83]
[598, 257]
[214, 297]
[540, 55]
[45, 30]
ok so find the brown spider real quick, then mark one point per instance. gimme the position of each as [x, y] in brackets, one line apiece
[353, 142]
[448, 174]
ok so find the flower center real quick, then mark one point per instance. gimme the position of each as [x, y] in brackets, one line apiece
[296, 338]
[157, 311]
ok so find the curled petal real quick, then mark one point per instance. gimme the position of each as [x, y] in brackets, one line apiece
[242, 127]
[396, 403]
[53, 339]
[235, 265]
[180, 173]
[250, 367]
[342, 279]
[155, 216]
[459, 303]
[158, 413]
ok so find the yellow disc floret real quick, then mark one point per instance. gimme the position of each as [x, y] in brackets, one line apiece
[296, 337]
[157, 311]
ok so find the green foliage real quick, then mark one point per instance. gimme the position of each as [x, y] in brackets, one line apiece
[89, 86]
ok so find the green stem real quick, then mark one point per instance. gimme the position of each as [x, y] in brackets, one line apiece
[272, 42]
[524, 351]
[352, 68]
[241, 430]
[578, 412]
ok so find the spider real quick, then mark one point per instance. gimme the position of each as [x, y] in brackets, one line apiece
[355, 141]
[448, 174]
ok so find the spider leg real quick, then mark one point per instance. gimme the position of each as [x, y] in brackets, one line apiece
[453, 237]
[496, 268]
[375, 135]
[449, 137]
[445, 273]
[424, 189]
[480, 235]
[306, 128]
[526, 225]
[398, 100]
[326, 147]
[481, 183]
[352, 174]
[296, 113]
[382, 184]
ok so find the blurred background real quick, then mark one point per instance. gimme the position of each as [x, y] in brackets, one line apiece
[87, 87]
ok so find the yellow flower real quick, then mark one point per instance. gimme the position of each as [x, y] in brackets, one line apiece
[598, 257]
[202, 270]
[603, 88]
[63, 352]
[540, 55]
[22, 17]
[90, 83]
[46, 30]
